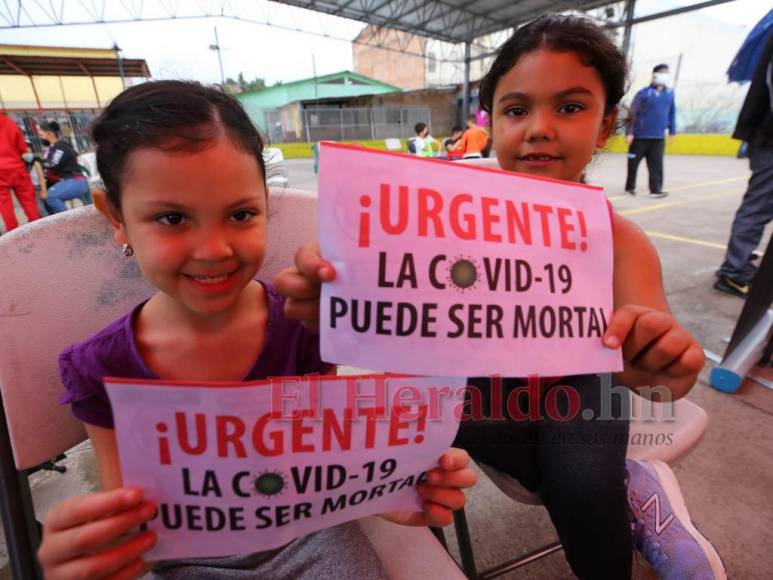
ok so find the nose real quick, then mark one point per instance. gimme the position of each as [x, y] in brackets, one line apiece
[212, 244]
[540, 127]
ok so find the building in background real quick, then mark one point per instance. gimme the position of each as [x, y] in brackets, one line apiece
[68, 85]
[279, 110]
[399, 63]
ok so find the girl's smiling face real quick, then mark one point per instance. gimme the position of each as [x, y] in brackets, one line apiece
[548, 115]
[196, 221]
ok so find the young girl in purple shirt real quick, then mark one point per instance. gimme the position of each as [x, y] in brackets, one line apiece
[185, 193]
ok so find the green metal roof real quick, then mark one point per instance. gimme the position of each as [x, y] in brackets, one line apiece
[340, 84]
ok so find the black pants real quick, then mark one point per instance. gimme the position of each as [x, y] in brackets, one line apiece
[653, 150]
[576, 464]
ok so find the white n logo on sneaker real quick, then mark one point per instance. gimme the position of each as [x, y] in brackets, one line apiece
[660, 526]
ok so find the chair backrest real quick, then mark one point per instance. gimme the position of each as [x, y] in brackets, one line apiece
[63, 280]
[88, 162]
[393, 144]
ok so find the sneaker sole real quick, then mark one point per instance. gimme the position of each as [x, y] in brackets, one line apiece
[676, 499]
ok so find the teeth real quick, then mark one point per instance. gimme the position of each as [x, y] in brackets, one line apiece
[211, 279]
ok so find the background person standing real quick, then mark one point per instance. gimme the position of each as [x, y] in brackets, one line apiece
[755, 126]
[14, 175]
[652, 112]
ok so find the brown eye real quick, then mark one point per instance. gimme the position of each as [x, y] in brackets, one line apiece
[571, 108]
[171, 219]
[242, 215]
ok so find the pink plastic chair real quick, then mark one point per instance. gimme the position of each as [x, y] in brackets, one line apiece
[63, 280]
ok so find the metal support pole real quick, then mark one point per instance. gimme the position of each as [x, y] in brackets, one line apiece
[466, 91]
[18, 514]
[216, 47]
[630, 6]
[119, 58]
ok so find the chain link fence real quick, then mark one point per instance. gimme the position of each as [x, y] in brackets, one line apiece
[349, 124]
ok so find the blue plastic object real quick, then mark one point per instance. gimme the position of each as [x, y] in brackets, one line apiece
[725, 380]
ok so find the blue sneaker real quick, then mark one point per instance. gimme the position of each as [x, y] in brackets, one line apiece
[661, 526]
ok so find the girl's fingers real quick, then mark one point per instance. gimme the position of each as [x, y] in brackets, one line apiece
[454, 458]
[690, 362]
[437, 516]
[663, 351]
[295, 286]
[308, 260]
[460, 478]
[647, 328]
[620, 325]
[112, 561]
[64, 545]
[302, 310]
[450, 498]
[78, 510]
[129, 572]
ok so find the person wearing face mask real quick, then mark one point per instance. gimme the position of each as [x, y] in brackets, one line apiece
[61, 162]
[653, 111]
[13, 175]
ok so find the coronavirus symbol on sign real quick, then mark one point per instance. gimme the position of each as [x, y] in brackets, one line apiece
[463, 273]
[270, 483]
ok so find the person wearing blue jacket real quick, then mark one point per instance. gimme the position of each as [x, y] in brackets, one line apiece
[652, 112]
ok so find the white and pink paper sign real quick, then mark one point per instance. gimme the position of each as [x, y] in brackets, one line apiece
[447, 268]
[245, 467]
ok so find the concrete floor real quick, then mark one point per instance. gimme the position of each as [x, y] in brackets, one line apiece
[727, 480]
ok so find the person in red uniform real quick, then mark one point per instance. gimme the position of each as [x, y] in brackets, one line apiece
[14, 175]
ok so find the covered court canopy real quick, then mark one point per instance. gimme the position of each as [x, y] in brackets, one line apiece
[453, 21]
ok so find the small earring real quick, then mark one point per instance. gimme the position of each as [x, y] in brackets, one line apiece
[127, 250]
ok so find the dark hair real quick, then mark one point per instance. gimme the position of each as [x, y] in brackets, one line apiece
[660, 67]
[420, 127]
[456, 129]
[52, 127]
[561, 33]
[171, 116]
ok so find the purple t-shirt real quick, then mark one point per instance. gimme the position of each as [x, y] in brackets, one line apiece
[288, 350]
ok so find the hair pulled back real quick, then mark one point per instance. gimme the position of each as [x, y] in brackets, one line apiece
[171, 116]
[561, 33]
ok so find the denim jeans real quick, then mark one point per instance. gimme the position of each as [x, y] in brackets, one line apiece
[754, 213]
[73, 188]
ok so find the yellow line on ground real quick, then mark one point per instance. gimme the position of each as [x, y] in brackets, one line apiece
[685, 187]
[705, 183]
[687, 240]
[651, 207]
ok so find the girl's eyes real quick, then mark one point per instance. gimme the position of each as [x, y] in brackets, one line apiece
[568, 108]
[171, 219]
[515, 112]
[242, 215]
[571, 108]
[178, 219]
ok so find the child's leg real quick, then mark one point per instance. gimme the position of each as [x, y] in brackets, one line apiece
[582, 465]
[339, 552]
[492, 435]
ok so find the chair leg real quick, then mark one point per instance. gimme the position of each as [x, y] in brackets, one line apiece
[518, 562]
[22, 535]
[465, 545]
[441, 537]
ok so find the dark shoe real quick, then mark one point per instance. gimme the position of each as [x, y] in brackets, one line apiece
[730, 286]
[631, 191]
[658, 194]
